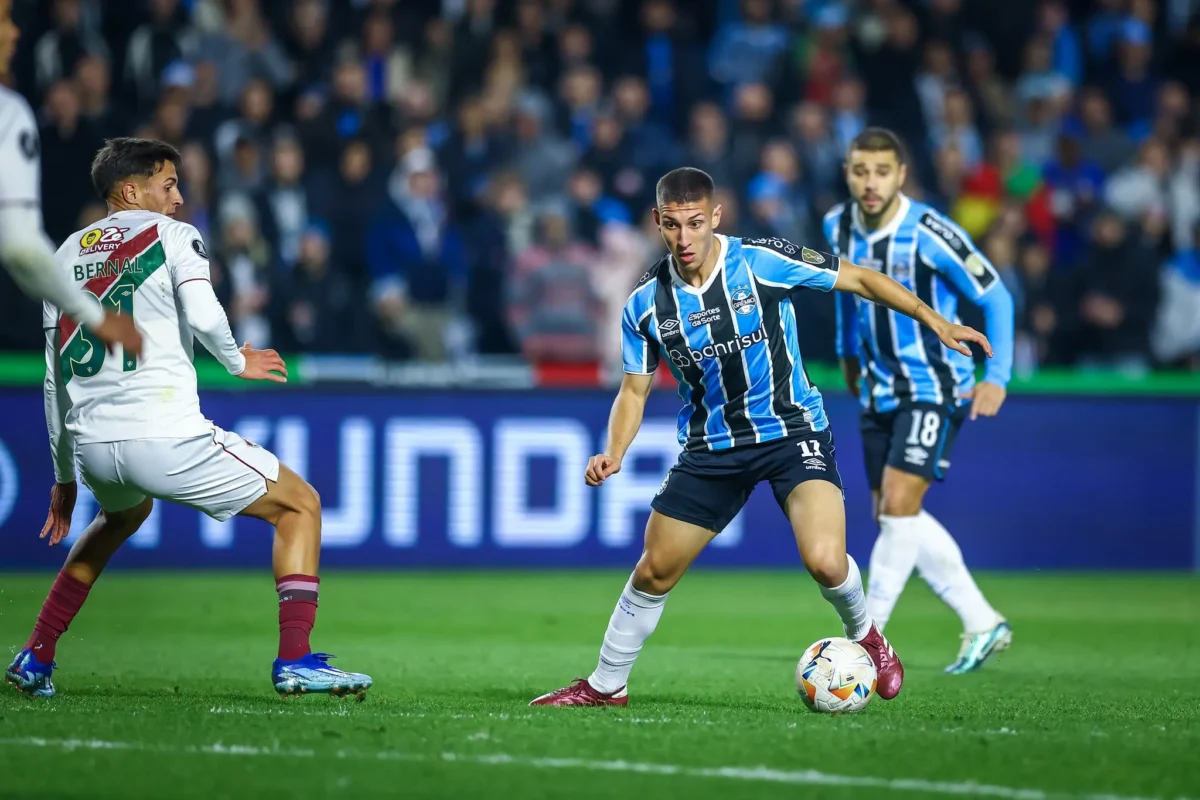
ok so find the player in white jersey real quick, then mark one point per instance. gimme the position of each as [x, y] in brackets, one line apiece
[134, 427]
[24, 250]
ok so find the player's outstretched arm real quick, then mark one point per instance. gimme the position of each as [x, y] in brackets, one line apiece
[29, 259]
[623, 424]
[210, 325]
[208, 322]
[62, 448]
[879, 288]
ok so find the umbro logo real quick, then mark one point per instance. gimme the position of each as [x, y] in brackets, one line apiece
[814, 463]
[668, 325]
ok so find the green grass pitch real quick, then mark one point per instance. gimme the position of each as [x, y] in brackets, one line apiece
[164, 692]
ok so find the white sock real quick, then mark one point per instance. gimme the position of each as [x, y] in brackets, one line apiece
[892, 560]
[941, 564]
[633, 620]
[850, 603]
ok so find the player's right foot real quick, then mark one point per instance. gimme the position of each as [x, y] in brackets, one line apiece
[581, 693]
[28, 675]
[979, 647]
[313, 675]
[889, 670]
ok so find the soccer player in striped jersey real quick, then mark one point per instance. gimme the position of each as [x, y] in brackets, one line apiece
[717, 310]
[915, 392]
[133, 427]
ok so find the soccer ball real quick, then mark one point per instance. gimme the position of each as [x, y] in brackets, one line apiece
[836, 676]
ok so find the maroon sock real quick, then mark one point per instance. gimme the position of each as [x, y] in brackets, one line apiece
[62, 604]
[297, 614]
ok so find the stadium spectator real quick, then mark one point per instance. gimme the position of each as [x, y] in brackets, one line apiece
[349, 114]
[820, 158]
[245, 48]
[282, 203]
[68, 144]
[503, 226]
[1114, 297]
[708, 144]
[991, 96]
[1134, 84]
[591, 208]
[57, 51]
[957, 128]
[308, 42]
[1103, 142]
[1156, 185]
[315, 307]
[1176, 335]
[167, 37]
[1076, 185]
[93, 83]
[247, 259]
[197, 187]
[542, 158]
[672, 61]
[417, 258]
[348, 200]
[1066, 51]
[554, 308]
[751, 50]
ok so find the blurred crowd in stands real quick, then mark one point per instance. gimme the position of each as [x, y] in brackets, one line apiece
[433, 179]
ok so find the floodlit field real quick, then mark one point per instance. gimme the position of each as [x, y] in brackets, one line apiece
[164, 691]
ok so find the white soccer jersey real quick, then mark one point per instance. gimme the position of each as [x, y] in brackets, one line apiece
[20, 162]
[134, 262]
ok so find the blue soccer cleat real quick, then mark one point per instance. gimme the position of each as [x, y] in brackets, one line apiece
[28, 675]
[979, 647]
[313, 675]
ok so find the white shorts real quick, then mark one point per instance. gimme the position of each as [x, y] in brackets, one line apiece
[219, 473]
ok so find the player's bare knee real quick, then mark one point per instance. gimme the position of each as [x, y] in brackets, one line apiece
[127, 522]
[901, 494]
[827, 564]
[653, 577]
[307, 500]
[900, 504]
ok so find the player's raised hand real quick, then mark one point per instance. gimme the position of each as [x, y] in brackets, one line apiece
[62, 506]
[954, 336]
[986, 399]
[600, 467]
[263, 365]
[118, 329]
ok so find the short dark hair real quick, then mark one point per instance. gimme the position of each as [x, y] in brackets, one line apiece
[878, 140]
[684, 185]
[126, 157]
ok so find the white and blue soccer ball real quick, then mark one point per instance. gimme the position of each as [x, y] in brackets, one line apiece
[836, 676]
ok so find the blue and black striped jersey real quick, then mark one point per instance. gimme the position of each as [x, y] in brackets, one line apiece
[937, 261]
[731, 343]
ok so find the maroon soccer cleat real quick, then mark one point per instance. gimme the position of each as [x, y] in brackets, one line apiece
[581, 693]
[887, 664]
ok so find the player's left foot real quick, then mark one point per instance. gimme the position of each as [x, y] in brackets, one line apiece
[979, 647]
[888, 668]
[313, 675]
[581, 693]
[28, 675]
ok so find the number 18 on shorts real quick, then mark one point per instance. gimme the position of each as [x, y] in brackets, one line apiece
[917, 438]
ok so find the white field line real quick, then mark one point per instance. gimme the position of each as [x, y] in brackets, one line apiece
[743, 774]
[346, 711]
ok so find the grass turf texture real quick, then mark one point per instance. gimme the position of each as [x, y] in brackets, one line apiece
[164, 691]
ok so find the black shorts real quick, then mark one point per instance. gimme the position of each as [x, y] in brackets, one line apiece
[709, 488]
[916, 437]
